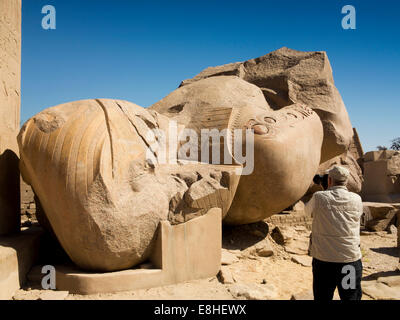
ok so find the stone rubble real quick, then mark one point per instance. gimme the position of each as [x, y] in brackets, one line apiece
[226, 276]
[305, 261]
[53, 295]
[253, 291]
[228, 258]
[380, 291]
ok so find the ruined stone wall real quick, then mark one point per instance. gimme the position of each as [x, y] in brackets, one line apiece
[293, 219]
[28, 205]
[10, 90]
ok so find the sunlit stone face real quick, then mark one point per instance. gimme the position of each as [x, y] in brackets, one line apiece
[287, 151]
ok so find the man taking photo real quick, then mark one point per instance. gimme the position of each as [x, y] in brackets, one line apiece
[335, 239]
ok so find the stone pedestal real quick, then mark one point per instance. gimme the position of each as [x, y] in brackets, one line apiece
[184, 252]
[10, 90]
[381, 176]
[17, 255]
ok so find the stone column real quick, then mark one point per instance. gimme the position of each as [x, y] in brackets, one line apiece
[10, 90]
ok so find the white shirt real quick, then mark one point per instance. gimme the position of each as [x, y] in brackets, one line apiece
[336, 225]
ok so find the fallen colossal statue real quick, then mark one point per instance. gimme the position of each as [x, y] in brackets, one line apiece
[105, 185]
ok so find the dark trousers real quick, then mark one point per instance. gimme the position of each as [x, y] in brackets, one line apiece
[329, 275]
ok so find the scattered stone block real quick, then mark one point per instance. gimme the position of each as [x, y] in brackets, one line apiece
[381, 172]
[391, 281]
[27, 295]
[380, 291]
[225, 276]
[228, 258]
[378, 216]
[264, 249]
[299, 247]
[305, 261]
[252, 291]
[281, 235]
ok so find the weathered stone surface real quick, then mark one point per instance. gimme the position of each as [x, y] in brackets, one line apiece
[225, 276]
[53, 295]
[264, 249]
[197, 187]
[228, 258]
[27, 295]
[252, 203]
[309, 295]
[392, 229]
[381, 176]
[346, 160]
[380, 291]
[297, 246]
[288, 76]
[10, 91]
[17, 255]
[302, 230]
[378, 216]
[377, 210]
[356, 148]
[391, 281]
[28, 205]
[99, 193]
[282, 235]
[184, 252]
[104, 186]
[305, 261]
[252, 291]
[201, 190]
[230, 103]
[212, 103]
[378, 224]
[305, 295]
[299, 206]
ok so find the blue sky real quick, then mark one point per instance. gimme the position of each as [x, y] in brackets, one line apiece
[141, 50]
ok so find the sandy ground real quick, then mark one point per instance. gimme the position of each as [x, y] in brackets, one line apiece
[279, 272]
